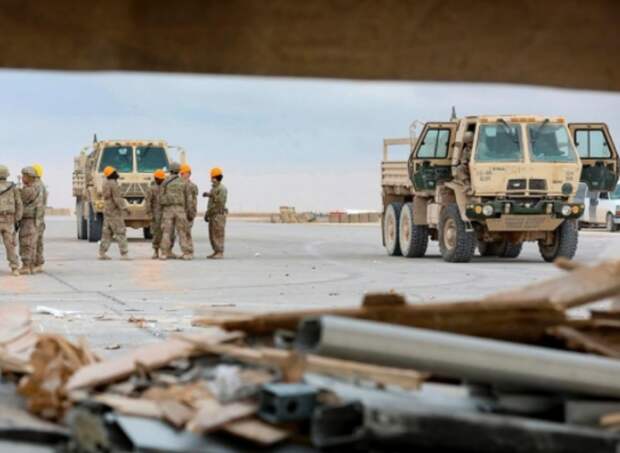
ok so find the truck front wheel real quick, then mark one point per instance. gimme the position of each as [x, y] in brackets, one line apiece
[564, 243]
[391, 219]
[413, 238]
[95, 224]
[82, 224]
[457, 245]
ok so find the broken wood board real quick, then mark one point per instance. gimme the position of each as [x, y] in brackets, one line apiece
[212, 415]
[256, 431]
[17, 340]
[149, 357]
[580, 341]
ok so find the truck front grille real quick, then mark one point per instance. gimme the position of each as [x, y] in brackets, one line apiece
[538, 184]
[516, 184]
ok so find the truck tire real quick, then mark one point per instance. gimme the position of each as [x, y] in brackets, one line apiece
[564, 244]
[95, 224]
[82, 223]
[391, 219]
[148, 234]
[506, 249]
[413, 238]
[457, 245]
[610, 225]
[486, 248]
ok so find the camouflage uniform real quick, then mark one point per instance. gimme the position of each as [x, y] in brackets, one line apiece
[113, 222]
[216, 216]
[11, 211]
[33, 199]
[39, 259]
[175, 200]
[153, 210]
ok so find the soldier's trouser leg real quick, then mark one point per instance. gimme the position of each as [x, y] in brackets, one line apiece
[39, 259]
[106, 236]
[167, 228]
[157, 234]
[183, 231]
[120, 235]
[7, 231]
[28, 241]
[217, 232]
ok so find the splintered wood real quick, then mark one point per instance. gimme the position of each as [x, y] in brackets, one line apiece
[17, 340]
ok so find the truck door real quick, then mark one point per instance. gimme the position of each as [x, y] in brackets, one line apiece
[598, 155]
[430, 161]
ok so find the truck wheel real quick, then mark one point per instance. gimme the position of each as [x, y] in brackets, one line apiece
[486, 248]
[413, 238]
[148, 234]
[95, 225]
[506, 249]
[611, 226]
[564, 244]
[390, 229]
[82, 224]
[456, 244]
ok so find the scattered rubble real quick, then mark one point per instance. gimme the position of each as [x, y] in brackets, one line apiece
[515, 371]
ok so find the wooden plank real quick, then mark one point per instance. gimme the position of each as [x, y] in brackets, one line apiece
[584, 342]
[212, 415]
[256, 431]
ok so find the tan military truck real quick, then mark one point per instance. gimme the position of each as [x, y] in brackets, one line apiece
[493, 182]
[135, 161]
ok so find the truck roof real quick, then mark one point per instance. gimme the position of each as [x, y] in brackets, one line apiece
[131, 142]
[516, 118]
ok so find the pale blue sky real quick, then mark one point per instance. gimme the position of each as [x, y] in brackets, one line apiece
[314, 144]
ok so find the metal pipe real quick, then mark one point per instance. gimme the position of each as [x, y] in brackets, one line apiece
[468, 358]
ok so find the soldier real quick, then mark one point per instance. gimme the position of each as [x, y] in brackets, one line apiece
[175, 199]
[216, 213]
[154, 209]
[39, 259]
[113, 222]
[192, 205]
[32, 196]
[11, 210]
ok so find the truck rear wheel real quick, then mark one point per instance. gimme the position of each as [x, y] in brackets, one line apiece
[413, 238]
[148, 234]
[507, 249]
[564, 243]
[391, 219]
[95, 224]
[610, 225]
[457, 245]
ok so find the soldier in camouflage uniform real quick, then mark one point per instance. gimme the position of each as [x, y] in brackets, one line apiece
[113, 222]
[33, 199]
[11, 210]
[39, 259]
[216, 213]
[154, 209]
[192, 205]
[175, 202]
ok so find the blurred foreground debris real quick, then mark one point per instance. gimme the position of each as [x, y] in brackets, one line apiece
[516, 371]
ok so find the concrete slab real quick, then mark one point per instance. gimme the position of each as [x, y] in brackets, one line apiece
[267, 267]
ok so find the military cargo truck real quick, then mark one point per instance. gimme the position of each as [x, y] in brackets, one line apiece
[493, 183]
[135, 161]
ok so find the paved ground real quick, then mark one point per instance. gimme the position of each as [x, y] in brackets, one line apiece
[268, 267]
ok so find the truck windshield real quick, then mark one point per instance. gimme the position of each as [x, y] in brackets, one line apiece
[499, 142]
[151, 158]
[550, 143]
[119, 157]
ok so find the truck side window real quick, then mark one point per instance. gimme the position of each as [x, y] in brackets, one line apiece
[592, 144]
[435, 144]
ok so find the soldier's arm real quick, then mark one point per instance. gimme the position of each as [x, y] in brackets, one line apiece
[118, 200]
[19, 206]
[222, 196]
[148, 201]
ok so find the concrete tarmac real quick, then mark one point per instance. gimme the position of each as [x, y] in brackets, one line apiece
[267, 267]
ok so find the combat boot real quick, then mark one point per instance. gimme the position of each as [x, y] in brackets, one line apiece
[125, 257]
[25, 270]
[155, 254]
[104, 257]
[187, 257]
[217, 256]
[37, 269]
[173, 256]
[212, 255]
[15, 272]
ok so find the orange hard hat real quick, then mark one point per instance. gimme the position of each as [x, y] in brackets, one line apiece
[185, 168]
[216, 171]
[159, 174]
[107, 171]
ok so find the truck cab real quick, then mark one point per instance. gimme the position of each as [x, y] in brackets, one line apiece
[496, 181]
[135, 162]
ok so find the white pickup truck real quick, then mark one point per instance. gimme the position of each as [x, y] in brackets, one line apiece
[602, 209]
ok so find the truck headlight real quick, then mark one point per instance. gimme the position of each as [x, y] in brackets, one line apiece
[488, 210]
[566, 210]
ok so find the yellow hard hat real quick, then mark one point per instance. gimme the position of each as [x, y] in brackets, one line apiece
[38, 169]
[185, 168]
[159, 174]
[107, 171]
[216, 171]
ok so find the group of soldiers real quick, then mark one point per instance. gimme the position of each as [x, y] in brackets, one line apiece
[172, 204]
[22, 219]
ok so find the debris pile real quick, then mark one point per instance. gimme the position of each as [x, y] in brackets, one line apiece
[289, 215]
[528, 370]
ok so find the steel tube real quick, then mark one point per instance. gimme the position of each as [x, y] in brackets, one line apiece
[460, 356]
